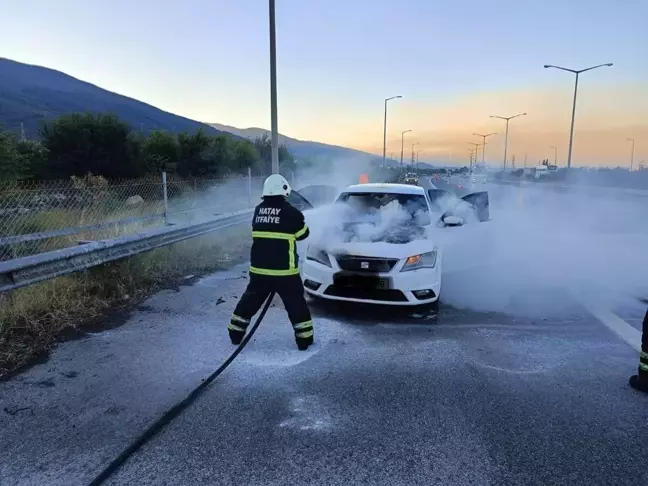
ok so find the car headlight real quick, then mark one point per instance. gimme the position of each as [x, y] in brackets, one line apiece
[318, 255]
[425, 260]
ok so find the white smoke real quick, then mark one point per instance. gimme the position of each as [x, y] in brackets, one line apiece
[540, 250]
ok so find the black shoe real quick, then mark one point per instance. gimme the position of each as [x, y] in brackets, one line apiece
[639, 384]
[236, 337]
[303, 344]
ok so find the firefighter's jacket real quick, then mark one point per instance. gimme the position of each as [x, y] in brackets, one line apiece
[276, 227]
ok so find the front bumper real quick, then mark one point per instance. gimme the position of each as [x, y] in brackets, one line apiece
[405, 288]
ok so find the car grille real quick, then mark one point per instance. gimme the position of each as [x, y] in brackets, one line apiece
[366, 294]
[366, 264]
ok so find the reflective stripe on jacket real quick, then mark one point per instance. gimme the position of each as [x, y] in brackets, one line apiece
[276, 227]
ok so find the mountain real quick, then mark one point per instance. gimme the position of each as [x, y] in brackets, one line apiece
[28, 94]
[299, 148]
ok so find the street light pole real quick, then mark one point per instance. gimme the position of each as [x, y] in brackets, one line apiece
[417, 158]
[477, 145]
[577, 73]
[413, 145]
[507, 118]
[632, 153]
[403, 146]
[385, 130]
[555, 155]
[484, 144]
[273, 91]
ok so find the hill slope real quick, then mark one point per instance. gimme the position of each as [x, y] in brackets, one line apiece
[30, 93]
[299, 148]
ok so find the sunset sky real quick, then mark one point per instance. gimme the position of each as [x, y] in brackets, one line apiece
[455, 62]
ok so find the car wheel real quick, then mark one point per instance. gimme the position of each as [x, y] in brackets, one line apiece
[434, 306]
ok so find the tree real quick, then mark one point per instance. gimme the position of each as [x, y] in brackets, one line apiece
[13, 165]
[86, 142]
[263, 146]
[201, 155]
[245, 156]
[160, 151]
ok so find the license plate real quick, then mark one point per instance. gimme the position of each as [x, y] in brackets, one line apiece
[361, 282]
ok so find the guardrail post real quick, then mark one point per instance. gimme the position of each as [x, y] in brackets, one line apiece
[166, 202]
[250, 186]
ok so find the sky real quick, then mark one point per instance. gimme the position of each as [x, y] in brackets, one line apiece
[455, 62]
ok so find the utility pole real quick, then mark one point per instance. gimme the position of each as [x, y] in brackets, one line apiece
[413, 145]
[385, 129]
[577, 73]
[632, 153]
[402, 147]
[555, 155]
[273, 91]
[484, 144]
[508, 119]
[477, 145]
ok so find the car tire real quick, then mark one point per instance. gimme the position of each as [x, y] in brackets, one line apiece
[434, 306]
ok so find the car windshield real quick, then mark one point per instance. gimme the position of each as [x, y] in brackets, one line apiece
[372, 202]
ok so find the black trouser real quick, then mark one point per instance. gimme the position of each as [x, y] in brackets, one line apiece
[643, 360]
[291, 291]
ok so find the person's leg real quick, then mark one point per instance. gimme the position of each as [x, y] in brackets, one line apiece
[640, 380]
[255, 294]
[291, 291]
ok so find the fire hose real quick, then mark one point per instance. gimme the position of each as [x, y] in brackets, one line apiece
[178, 408]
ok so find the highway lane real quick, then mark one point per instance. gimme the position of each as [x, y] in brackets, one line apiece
[525, 395]
[391, 398]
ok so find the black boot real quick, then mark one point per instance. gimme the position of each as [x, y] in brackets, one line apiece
[639, 382]
[303, 343]
[236, 337]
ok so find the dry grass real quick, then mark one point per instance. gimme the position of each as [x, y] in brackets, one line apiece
[32, 318]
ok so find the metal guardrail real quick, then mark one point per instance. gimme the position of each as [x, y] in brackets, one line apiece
[12, 240]
[29, 270]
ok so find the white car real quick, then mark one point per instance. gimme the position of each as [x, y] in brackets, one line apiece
[377, 244]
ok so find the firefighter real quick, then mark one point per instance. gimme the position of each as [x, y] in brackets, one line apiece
[276, 227]
[640, 380]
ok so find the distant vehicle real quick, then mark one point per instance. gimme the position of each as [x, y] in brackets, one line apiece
[479, 178]
[411, 178]
[380, 247]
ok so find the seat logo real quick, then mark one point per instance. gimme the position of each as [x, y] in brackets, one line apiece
[364, 265]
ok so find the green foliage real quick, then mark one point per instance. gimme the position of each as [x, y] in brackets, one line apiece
[263, 147]
[159, 151]
[82, 143]
[13, 165]
[86, 142]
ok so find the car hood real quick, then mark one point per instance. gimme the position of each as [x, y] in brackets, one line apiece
[382, 250]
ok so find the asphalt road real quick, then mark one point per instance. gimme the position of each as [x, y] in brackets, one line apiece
[385, 397]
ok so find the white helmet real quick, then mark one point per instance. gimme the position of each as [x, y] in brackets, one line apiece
[276, 185]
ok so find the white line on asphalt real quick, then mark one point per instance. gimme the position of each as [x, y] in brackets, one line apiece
[614, 323]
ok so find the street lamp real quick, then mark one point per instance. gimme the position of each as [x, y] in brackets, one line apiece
[273, 91]
[484, 145]
[385, 128]
[413, 145]
[507, 118]
[402, 146]
[477, 145]
[417, 157]
[555, 155]
[571, 132]
[632, 153]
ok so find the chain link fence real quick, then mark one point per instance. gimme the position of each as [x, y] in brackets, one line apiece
[36, 217]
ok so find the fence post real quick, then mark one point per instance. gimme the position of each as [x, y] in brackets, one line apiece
[249, 186]
[166, 202]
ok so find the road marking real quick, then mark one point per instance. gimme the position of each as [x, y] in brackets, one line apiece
[615, 324]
